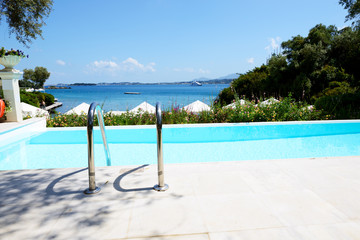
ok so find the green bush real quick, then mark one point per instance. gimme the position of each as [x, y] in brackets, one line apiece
[286, 110]
[29, 98]
[35, 98]
[226, 96]
[49, 99]
[343, 106]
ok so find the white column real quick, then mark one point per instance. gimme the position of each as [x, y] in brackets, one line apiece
[10, 87]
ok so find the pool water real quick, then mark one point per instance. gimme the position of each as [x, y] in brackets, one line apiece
[59, 148]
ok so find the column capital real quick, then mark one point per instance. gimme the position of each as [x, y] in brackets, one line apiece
[10, 75]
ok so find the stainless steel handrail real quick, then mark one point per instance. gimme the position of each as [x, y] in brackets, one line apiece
[90, 139]
[161, 186]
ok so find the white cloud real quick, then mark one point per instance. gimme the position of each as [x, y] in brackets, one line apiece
[128, 65]
[132, 64]
[60, 62]
[274, 44]
[105, 64]
[251, 60]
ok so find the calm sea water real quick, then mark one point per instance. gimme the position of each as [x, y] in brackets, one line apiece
[113, 97]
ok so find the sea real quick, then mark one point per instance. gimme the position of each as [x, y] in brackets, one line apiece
[113, 97]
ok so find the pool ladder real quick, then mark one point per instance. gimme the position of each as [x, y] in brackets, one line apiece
[90, 139]
[93, 189]
[161, 186]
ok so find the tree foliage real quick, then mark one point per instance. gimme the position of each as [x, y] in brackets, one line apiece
[34, 78]
[25, 18]
[325, 62]
[353, 7]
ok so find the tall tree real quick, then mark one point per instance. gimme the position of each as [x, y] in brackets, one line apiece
[36, 77]
[353, 7]
[25, 18]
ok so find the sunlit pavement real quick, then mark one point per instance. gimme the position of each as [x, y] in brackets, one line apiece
[316, 198]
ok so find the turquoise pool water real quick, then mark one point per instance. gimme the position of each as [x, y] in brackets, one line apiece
[57, 148]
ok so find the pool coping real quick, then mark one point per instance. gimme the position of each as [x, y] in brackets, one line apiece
[7, 127]
[12, 131]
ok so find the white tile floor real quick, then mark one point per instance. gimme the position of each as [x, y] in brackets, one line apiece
[272, 199]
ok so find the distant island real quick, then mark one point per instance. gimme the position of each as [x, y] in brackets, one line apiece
[57, 87]
[204, 81]
[83, 84]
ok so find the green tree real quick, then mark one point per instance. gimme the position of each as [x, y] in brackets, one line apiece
[25, 18]
[322, 34]
[226, 96]
[345, 53]
[251, 85]
[36, 77]
[353, 7]
[325, 62]
[329, 77]
[277, 82]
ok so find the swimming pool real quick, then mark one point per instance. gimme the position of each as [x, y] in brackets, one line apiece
[67, 147]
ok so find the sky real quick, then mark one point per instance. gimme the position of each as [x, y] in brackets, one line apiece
[166, 40]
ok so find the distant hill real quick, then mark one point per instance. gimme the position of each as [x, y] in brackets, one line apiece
[201, 79]
[221, 80]
[230, 76]
[215, 81]
[83, 84]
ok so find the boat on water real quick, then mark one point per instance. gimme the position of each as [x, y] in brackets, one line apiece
[132, 93]
[195, 83]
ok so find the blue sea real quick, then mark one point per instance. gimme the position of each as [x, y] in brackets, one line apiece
[113, 97]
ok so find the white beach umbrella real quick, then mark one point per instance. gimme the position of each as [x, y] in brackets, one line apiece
[144, 107]
[83, 108]
[268, 102]
[29, 110]
[197, 106]
[233, 105]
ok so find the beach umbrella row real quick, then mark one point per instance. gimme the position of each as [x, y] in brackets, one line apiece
[194, 107]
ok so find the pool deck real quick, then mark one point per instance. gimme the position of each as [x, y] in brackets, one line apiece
[270, 199]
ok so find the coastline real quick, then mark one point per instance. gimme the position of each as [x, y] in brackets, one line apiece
[112, 97]
[203, 82]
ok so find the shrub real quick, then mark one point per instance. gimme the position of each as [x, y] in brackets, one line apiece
[49, 99]
[226, 96]
[285, 110]
[35, 98]
[29, 98]
[62, 120]
[343, 106]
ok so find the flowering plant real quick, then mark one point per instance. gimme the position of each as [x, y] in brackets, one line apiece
[12, 52]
